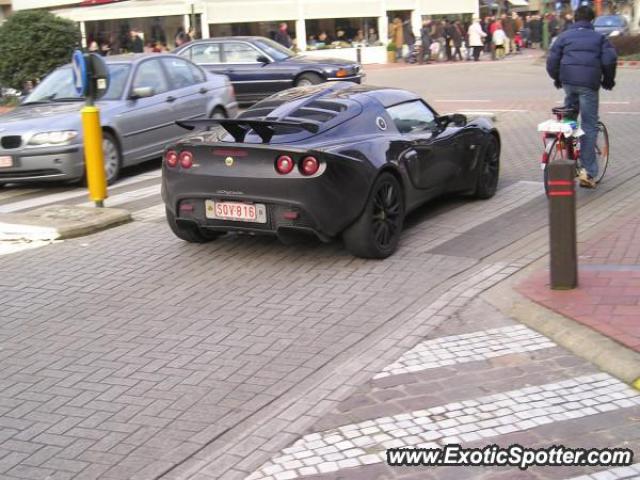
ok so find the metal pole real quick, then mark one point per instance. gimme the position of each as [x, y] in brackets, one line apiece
[562, 225]
[193, 19]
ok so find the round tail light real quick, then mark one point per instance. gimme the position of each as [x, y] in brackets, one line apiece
[309, 165]
[284, 164]
[186, 159]
[171, 157]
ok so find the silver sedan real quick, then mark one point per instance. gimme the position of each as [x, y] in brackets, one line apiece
[41, 139]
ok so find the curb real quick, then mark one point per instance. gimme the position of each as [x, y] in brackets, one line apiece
[59, 222]
[604, 352]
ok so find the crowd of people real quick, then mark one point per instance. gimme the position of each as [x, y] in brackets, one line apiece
[455, 40]
[134, 43]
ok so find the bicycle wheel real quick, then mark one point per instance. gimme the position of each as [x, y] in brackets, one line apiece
[553, 154]
[602, 151]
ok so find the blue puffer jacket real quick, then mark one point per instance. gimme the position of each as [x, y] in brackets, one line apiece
[581, 56]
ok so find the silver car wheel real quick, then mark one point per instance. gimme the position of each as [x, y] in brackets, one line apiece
[218, 115]
[111, 158]
[304, 82]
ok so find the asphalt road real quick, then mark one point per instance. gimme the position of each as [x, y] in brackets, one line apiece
[130, 354]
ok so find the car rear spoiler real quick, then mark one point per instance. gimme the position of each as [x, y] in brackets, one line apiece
[238, 128]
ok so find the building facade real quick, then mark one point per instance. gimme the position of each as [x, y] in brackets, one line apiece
[313, 24]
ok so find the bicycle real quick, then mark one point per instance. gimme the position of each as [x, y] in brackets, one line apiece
[561, 140]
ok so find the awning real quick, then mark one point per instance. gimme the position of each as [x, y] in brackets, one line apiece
[128, 9]
[519, 3]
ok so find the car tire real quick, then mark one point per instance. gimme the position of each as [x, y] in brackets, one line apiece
[487, 182]
[218, 114]
[112, 157]
[307, 79]
[189, 233]
[376, 233]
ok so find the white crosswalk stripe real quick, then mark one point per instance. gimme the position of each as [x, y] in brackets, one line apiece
[78, 194]
[466, 421]
[127, 197]
[468, 347]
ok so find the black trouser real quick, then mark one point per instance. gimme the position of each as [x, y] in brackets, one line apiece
[447, 49]
[476, 53]
[458, 53]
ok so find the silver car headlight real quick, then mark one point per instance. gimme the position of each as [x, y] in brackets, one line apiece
[615, 33]
[53, 138]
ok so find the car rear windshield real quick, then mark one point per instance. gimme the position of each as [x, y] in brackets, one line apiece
[59, 85]
[612, 21]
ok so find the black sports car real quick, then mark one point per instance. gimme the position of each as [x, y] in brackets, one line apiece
[336, 159]
[258, 67]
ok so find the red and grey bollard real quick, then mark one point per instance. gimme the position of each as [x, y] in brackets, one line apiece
[562, 225]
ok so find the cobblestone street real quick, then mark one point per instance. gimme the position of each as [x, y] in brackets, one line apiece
[130, 354]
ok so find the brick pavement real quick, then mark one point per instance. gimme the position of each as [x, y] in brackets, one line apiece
[608, 296]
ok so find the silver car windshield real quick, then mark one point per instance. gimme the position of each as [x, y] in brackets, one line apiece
[274, 49]
[58, 86]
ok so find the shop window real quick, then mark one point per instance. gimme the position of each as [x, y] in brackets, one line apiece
[341, 32]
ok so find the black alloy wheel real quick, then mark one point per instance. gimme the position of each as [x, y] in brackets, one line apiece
[487, 183]
[377, 231]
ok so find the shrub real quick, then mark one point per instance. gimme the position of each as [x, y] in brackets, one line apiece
[627, 45]
[391, 47]
[32, 44]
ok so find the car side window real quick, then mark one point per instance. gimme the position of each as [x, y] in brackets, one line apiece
[412, 116]
[150, 74]
[182, 73]
[236, 52]
[206, 53]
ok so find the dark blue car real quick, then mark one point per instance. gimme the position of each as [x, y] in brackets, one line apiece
[259, 67]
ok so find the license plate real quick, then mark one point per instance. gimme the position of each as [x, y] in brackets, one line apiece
[6, 162]
[236, 211]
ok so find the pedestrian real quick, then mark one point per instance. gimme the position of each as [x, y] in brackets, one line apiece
[425, 39]
[499, 41]
[581, 61]
[93, 47]
[439, 39]
[448, 39]
[282, 36]
[397, 36]
[372, 37]
[509, 28]
[535, 31]
[409, 38]
[568, 21]
[476, 36]
[457, 36]
[136, 44]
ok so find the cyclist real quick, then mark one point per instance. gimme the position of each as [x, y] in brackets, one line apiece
[581, 60]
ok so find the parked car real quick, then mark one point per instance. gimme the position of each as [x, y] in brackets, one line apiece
[335, 160]
[41, 139]
[611, 25]
[259, 67]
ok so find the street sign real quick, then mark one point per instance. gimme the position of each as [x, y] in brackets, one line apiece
[80, 73]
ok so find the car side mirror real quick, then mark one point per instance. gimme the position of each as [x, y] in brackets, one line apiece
[142, 92]
[455, 119]
[263, 59]
[458, 119]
